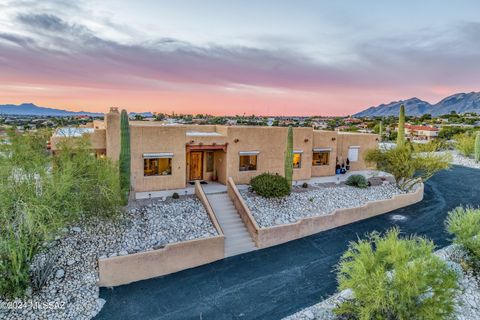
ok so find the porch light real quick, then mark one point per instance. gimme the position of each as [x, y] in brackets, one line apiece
[236, 140]
[306, 140]
[333, 139]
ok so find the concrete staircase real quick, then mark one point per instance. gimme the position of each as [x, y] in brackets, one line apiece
[237, 238]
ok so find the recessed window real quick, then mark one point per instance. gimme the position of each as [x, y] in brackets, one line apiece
[248, 162]
[297, 160]
[209, 160]
[321, 158]
[157, 166]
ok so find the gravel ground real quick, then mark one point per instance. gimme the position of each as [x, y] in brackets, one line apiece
[460, 160]
[312, 201]
[467, 300]
[71, 289]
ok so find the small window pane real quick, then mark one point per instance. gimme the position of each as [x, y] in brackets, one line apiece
[297, 160]
[157, 167]
[248, 163]
[321, 158]
[209, 161]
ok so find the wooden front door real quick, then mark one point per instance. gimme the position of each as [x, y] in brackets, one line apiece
[196, 168]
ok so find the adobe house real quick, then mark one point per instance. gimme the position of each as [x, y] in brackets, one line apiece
[170, 156]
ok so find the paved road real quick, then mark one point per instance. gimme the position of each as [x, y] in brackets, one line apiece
[275, 282]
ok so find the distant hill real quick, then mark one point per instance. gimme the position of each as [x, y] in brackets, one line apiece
[30, 109]
[460, 103]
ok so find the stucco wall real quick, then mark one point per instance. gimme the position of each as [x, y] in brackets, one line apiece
[272, 143]
[174, 257]
[325, 139]
[365, 141]
[154, 139]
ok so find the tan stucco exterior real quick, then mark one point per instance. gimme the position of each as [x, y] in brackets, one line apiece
[226, 143]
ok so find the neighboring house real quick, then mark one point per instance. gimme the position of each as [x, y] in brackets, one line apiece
[170, 156]
[416, 132]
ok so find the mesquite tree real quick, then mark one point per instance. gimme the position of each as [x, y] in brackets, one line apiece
[124, 162]
[289, 156]
[477, 147]
[401, 127]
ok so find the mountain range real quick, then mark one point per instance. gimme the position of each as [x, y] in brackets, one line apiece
[30, 109]
[460, 103]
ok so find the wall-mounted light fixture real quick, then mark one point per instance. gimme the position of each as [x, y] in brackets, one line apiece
[306, 140]
[192, 141]
[333, 139]
[236, 140]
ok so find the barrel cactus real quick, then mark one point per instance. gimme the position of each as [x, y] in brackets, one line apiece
[289, 157]
[124, 161]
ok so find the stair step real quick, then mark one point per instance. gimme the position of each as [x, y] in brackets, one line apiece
[237, 237]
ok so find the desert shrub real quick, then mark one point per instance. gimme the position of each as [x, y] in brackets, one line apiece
[395, 278]
[465, 143]
[357, 180]
[408, 167]
[270, 185]
[39, 195]
[42, 270]
[431, 146]
[464, 224]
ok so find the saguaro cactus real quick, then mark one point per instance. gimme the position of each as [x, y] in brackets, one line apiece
[477, 147]
[401, 127]
[124, 161]
[289, 157]
[380, 130]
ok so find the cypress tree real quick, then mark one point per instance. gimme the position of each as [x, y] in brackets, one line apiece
[401, 127]
[289, 157]
[124, 162]
[477, 147]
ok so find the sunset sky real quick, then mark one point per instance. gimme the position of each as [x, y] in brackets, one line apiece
[264, 57]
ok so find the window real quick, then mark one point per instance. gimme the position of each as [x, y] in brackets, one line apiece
[297, 159]
[248, 162]
[157, 166]
[209, 161]
[321, 158]
[353, 153]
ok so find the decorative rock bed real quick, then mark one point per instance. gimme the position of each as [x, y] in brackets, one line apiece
[467, 300]
[71, 291]
[461, 160]
[312, 201]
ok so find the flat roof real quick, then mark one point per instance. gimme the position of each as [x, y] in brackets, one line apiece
[72, 132]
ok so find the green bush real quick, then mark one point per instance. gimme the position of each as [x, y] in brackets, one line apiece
[40, 194]
[465, 144]
[270, 185]
[357, 180]
[407, 167]
[464, 224]
[394, 278]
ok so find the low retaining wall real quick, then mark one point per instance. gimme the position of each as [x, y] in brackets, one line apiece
[173, 257]
[243, 210]
[271, 236]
